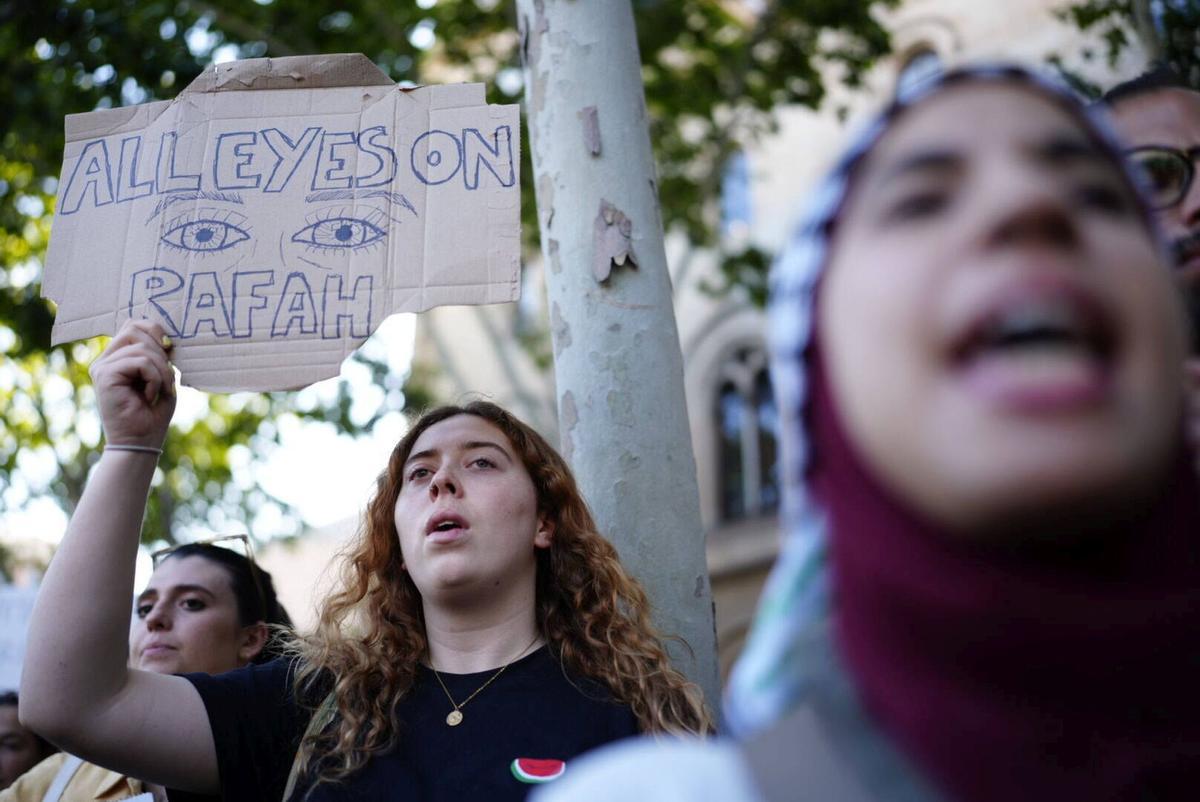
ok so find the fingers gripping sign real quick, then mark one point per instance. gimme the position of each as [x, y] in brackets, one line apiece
[135, 385]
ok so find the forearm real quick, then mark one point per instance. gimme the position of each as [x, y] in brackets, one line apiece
[77, 648]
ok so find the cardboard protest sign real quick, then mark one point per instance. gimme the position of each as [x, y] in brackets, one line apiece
[274, 213]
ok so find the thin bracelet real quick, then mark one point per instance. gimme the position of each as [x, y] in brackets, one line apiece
[139, 449]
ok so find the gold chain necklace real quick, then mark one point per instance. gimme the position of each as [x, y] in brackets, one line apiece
[455, 716]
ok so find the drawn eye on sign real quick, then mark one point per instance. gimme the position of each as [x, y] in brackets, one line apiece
[272, 215]
[206, 231]
[340, 233]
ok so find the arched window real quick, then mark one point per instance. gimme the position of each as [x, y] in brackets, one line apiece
[748, 429]
[922, 65]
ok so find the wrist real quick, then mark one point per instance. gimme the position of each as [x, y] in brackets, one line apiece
[134, 448]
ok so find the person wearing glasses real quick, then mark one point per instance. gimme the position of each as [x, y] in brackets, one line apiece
[205, 609]
[1157, 116]
[484, 634]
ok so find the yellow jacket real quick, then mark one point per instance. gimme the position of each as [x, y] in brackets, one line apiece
[90, 783]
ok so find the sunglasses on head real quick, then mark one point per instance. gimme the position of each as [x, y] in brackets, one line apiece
[1166, 174]
[224, 541]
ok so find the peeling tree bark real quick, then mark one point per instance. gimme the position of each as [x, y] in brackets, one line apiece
[619, 371]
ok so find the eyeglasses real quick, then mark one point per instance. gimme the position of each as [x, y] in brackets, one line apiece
[157, 557]
[1166, 173]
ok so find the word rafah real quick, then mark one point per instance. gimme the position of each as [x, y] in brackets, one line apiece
[243, 304]
[269, 160]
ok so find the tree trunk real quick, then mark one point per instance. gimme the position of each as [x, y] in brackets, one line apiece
[619, 371]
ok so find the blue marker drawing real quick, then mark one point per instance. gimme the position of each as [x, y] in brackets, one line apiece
[337, 149]
[379, 151]
[148, 286]
[233, 159]
[179, 197]
[168, 179]
[205, 307]
[351, 228]
[96, 176]
[360, 320]
[341, 194]
[128, 187]
[336, 233]
[301, 309]
[476, 151]
[441, 161]
[212, 230]
[268, 160]
[288, 155]
[246, 299]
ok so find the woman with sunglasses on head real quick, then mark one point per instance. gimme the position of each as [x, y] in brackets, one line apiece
[990, 584]
[205, 609]
[483, 635]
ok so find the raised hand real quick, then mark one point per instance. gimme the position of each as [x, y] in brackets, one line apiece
[135, 385]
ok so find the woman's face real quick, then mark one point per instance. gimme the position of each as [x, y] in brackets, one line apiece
[467, 514]
[1001, 338]
[186, 620]
[19, 749]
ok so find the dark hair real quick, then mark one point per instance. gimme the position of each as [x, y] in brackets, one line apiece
[44, 747]
[253, 590]
[1158, 77]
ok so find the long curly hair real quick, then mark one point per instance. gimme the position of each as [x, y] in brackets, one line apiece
[371, 632]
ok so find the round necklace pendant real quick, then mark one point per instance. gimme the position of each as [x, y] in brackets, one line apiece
[454, 718]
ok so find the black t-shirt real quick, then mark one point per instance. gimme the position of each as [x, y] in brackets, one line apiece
[531, 713]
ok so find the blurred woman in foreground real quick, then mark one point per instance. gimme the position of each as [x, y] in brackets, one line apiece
[991, 584]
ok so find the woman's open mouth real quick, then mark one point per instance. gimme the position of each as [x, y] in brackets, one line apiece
[446, 527]
[1040, 348]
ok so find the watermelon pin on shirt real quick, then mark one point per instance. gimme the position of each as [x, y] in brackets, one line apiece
[532, 770]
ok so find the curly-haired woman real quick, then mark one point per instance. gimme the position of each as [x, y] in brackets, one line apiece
[484, 633]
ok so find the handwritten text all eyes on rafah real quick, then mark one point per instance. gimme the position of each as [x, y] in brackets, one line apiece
[270, 160]
[253, 304]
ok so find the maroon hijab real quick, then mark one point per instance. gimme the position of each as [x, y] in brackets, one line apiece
[1008, 677]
